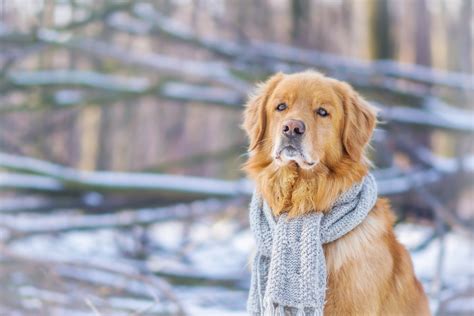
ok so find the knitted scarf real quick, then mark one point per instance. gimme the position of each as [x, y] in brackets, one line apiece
[289, 269]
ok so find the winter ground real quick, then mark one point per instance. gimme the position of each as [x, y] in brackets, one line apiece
[203, 265]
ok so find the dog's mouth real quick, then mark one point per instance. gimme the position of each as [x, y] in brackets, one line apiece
[288, 153]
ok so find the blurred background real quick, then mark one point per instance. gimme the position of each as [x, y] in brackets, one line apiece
[120, 148]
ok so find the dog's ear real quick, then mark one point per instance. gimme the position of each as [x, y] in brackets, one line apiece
[254, 115]
[359, 121]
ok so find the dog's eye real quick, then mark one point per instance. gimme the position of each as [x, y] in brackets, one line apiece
[281, 107]
[322, 112]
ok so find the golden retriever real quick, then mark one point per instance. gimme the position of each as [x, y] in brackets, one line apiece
[308, 135]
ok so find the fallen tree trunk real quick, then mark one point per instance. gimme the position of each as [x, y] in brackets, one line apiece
[433, 116]
[56, 223]
[213, 71]
[49, 177]
[53, 177]
[89, 79]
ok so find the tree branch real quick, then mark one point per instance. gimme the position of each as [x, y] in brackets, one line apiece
[283, 53]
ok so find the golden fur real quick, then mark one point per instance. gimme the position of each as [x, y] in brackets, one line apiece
[369, 271]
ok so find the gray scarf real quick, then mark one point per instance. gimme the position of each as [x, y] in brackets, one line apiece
[289, 270]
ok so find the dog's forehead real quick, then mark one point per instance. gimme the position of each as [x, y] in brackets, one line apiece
[304, 86]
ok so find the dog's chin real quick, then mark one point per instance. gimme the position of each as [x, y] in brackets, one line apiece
[290, 155]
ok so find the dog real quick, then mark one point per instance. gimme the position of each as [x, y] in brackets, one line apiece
[308, 135]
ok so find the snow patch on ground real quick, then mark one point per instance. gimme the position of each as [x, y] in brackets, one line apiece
[222, 249]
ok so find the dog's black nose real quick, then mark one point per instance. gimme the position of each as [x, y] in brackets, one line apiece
[293, 128]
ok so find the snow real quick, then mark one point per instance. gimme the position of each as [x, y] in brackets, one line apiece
[464, 304]
[219, 249]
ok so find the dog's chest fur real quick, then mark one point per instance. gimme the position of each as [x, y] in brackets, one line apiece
[369, 272]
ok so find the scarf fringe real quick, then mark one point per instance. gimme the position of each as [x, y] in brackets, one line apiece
[270, 309]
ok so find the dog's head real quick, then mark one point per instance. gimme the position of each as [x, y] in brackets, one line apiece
[308, 119]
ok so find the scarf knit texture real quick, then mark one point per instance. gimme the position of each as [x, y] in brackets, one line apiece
[289, 274]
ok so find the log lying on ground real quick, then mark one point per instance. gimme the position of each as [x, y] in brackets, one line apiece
[18, 181]
[213, 71]
[88, 202]
[95, 88]
[459, 120]
[57, 178]
[20, 227]
[205, 94]
[89, 79]
[203, 70]
[432, 116]
[425, 118]
[26, 203]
